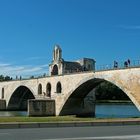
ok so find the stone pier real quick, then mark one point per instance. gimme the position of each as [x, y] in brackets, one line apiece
[2, 104]
[41, 107]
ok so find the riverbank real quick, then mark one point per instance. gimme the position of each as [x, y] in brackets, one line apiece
[114, 102]
[67, 121]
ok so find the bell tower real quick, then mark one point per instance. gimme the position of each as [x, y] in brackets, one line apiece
[56, 67]
[57, 53]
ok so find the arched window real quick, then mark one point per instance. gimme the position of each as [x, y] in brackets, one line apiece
[55, 70]
[39, 89]
[48, 90]
[2, 96]
[58, 87]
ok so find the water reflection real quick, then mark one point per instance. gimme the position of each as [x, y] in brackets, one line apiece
[13, 113]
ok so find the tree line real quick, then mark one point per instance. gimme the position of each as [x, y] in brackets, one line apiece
[108, 91]
[5, 78]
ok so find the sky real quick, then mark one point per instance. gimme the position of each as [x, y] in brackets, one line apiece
[105, 30]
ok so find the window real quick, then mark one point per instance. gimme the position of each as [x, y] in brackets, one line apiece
[58, 87]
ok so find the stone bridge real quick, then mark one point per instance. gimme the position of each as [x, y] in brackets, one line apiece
[68, 91]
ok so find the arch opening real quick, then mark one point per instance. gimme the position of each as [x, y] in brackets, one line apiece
[19, 98]
[58, 88]
[55, 70]
[39, 89]
[48, 89]
[75, 104]
[80, 102]
[2, 95]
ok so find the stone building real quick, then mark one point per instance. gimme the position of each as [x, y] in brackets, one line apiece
[59, 66]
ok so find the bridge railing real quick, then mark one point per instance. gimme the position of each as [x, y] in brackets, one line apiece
[120, 65]
[105, 67]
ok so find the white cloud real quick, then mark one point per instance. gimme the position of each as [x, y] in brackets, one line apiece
[30, 70]
[13, 70]
[4, 64]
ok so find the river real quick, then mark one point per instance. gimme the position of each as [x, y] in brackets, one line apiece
[102, 111]
[116, 111]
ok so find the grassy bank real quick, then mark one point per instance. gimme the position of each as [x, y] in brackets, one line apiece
[53, 119]
[44, 119]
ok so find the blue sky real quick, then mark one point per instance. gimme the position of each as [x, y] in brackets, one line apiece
[105, 30]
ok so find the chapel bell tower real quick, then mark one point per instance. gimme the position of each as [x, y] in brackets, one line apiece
[56, 67]
[57, 53]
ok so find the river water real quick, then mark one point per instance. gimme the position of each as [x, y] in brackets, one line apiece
[102, 111]
[116, 111]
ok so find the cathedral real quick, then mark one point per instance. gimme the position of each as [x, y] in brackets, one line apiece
[59, 66]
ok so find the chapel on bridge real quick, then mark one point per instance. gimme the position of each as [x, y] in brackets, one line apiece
[59, 66]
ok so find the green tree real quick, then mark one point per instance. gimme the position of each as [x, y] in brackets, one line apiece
[1, 78]
[5, 78]
[108, 91]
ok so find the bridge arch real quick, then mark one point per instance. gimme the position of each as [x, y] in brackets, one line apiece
[19, 98]
[76, 95]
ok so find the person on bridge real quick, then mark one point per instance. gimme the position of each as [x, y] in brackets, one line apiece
[115, 64]
[128, 62]
[125, 64]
